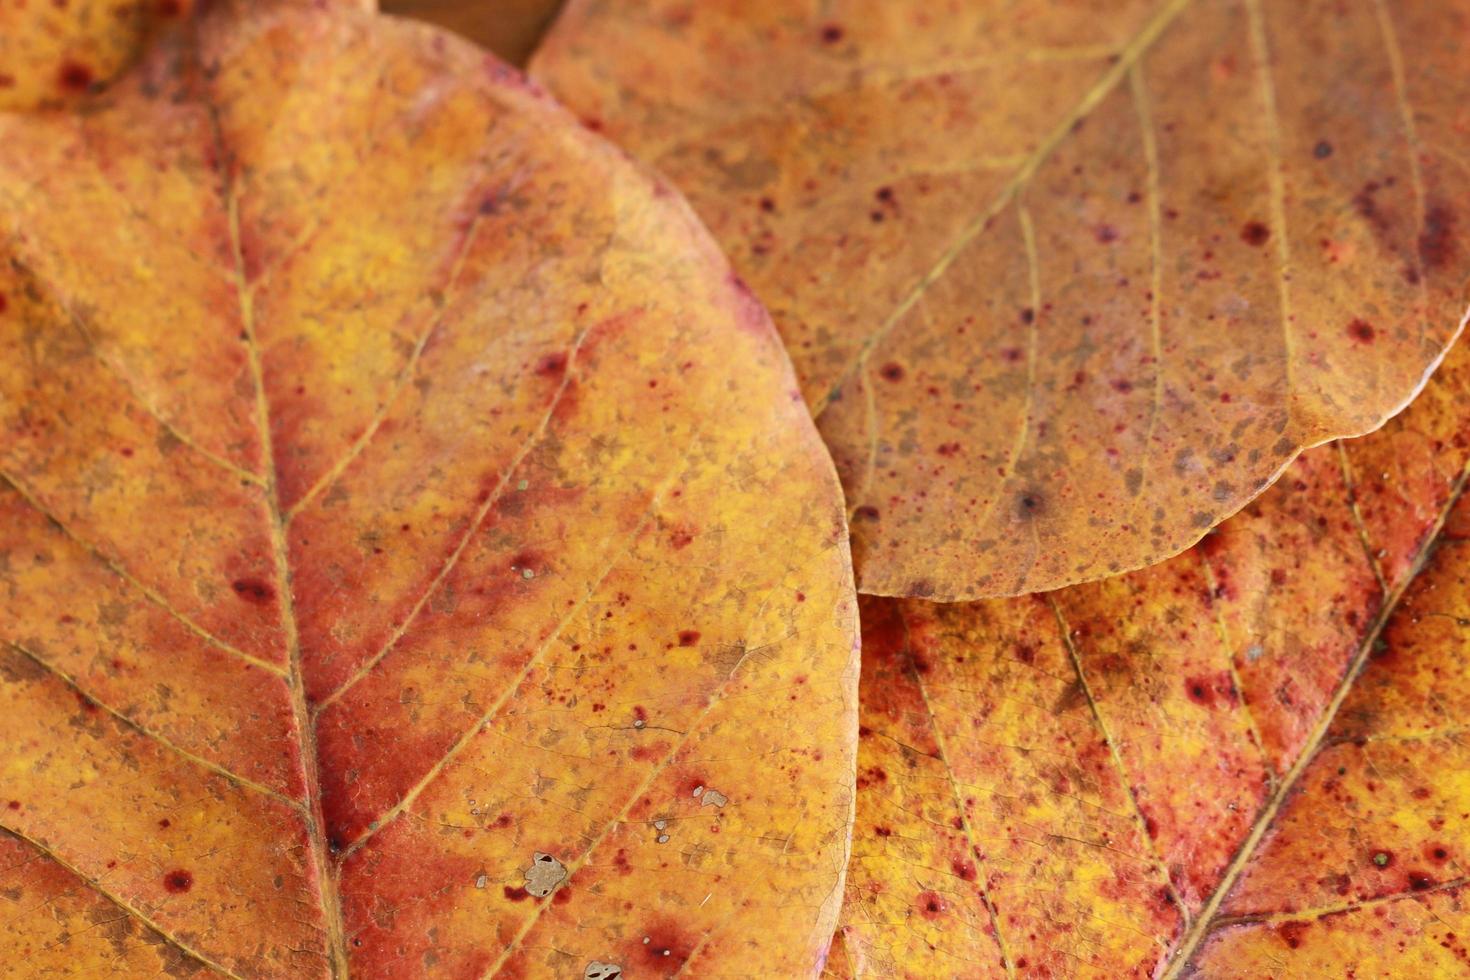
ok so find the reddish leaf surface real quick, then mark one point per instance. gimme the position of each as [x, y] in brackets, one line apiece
[390, 471]
[1181, 769]
[1065, 283]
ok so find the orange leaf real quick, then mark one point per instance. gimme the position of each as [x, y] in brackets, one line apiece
[1065, 284]
[1110, 779]
[386, 569]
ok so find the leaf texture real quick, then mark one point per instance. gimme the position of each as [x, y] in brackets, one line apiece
[389, 471]
[1065, 283]
[54, 53]
[1180, 771]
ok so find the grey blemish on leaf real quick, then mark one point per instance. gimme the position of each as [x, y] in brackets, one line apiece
[713, 797]
[523, 484]
[602, 971]
[544, 874]
[481, 880]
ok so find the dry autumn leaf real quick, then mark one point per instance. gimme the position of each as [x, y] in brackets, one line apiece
[1179, 771]
[389, 477]
[1065, 283]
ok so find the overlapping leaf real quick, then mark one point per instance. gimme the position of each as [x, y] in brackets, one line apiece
[386, 587]
[1179, 770]
[1065, 283]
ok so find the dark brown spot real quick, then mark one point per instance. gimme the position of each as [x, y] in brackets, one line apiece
[75, 76]
[867, 512]
[1437, 240]
[1030, 503]
[929, 904]
[831, 34]
[1361, 330]
[552, 365]
[687, 638]
[891, 371]
[178, 881]
[1255, 233]
[1322, 150]
[1291, 932]
[253, 590]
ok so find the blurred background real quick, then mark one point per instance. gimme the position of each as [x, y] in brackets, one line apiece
[510, 28]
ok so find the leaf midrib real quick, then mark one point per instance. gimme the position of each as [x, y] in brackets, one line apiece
[1208, 919]
[314, 819]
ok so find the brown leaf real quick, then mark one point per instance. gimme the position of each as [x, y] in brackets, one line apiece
[1180, 768]
[1065, 283]
[386, 579]
[510, 28]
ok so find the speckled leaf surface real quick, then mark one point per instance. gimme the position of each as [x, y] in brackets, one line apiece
[389, 476]
[1182, 770]
[1065, 283]
[55, 52]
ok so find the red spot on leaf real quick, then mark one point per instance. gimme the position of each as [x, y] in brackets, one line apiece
[178, 881]
[75, 76]
[930, 905]
[253, 590]
[552, 365]
[1255, 233]
[1291, 932]
[1437, 240]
